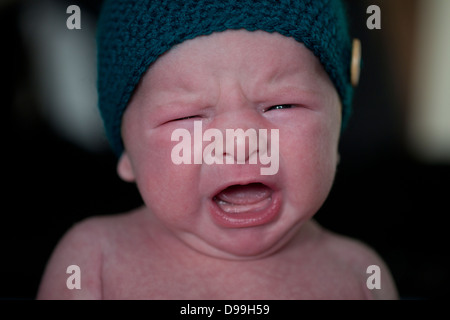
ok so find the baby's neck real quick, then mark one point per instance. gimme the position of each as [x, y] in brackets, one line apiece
[303, 240]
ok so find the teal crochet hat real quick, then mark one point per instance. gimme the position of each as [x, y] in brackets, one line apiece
[132, 34]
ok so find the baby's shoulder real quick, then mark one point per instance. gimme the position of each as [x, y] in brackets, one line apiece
[348, 250]
[73, 270]
[77, 259]
[359, 258]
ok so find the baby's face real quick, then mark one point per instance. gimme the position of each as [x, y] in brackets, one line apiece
[228, 81]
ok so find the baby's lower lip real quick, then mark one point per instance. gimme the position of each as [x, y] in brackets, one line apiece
[245, 214]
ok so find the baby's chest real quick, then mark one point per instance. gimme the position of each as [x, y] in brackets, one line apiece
[162, 281]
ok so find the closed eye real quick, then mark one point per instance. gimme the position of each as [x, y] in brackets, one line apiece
[281, 106]
[185, 118]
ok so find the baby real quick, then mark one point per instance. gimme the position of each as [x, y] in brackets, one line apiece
[214, 225]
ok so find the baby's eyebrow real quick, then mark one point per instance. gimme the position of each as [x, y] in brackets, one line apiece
[185, 102]
[287, 73]
[294, 83]
[292, 94]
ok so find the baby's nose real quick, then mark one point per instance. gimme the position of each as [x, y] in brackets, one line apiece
[241, 146]
[241, 132]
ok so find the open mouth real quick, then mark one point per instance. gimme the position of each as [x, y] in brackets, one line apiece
[245, 205]
[240, 199]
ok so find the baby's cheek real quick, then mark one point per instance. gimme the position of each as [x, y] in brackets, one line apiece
[163, 185]
[308, 161]
[167, 189]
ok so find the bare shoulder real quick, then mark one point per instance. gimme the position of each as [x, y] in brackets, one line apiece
[363, 260]
[77, 260]
[79, 247]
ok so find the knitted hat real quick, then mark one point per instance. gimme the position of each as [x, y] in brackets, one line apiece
[132, 34]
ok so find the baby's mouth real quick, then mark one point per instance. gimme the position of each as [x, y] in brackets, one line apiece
[244, 198]
[250, 205]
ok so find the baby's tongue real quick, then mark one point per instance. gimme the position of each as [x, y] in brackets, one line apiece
[238, 199]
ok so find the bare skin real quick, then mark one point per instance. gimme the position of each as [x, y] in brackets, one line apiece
[176, 247]
[316, 264]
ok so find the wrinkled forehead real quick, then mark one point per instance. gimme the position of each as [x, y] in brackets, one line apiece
[255, 58]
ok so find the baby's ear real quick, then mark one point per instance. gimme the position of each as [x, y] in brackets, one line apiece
[124, 168]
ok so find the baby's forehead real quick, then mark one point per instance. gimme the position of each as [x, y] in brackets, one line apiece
[255, 58]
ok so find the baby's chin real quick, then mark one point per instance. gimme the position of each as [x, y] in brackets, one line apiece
[242, 243]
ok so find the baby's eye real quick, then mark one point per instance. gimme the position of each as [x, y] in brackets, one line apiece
[185, 118]
[281, 106]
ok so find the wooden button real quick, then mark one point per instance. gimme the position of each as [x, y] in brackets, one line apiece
[356, 62]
